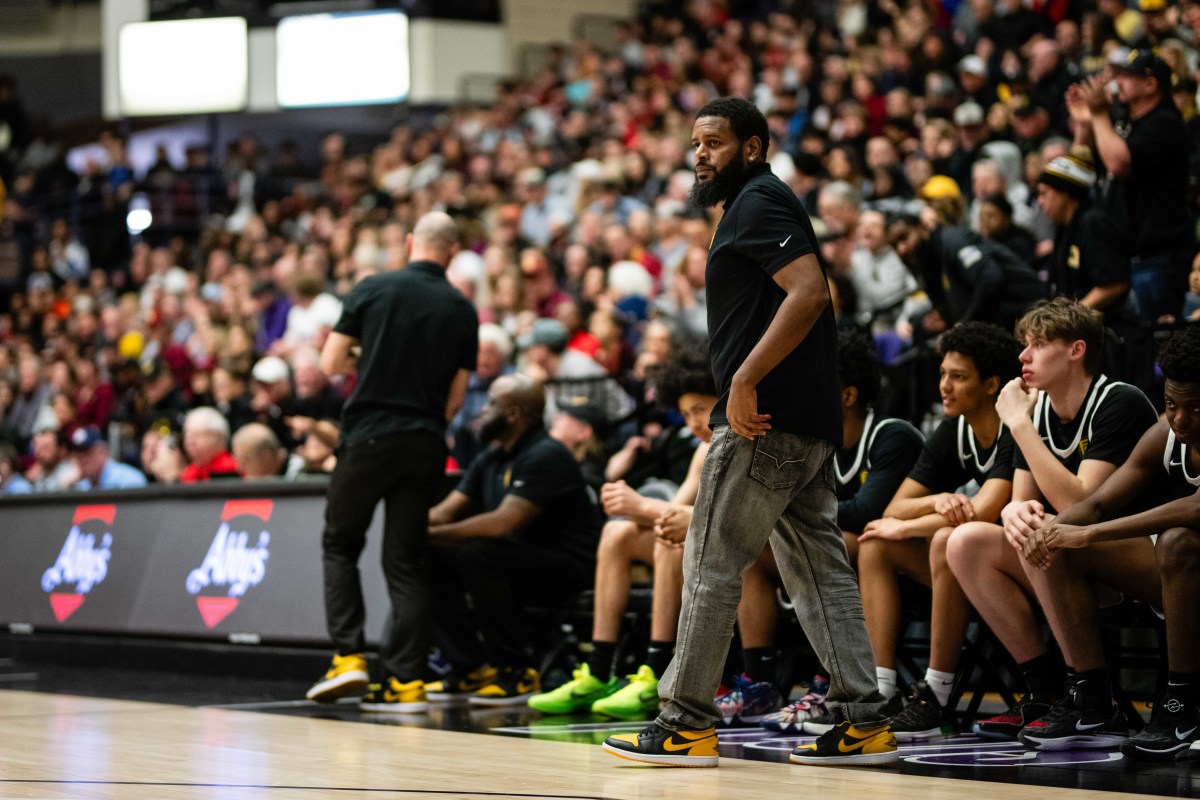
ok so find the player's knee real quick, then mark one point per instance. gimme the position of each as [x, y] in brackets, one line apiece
[1178, 550]
[873, 555]
[666, 557]
[616, 537]
[964, 544]
[938, 547]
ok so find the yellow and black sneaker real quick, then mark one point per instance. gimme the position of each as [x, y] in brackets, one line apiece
[512, 686]
[456, 688]
[657, 745]
[396, 697]
[849, 743]
[347, 676]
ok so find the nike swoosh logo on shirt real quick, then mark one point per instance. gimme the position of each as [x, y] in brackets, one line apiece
[785, 241]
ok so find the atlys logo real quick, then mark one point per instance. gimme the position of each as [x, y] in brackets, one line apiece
[82, 561]
[232, 565]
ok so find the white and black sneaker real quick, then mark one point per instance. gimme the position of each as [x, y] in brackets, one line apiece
[1173, 728]
[1068, 726]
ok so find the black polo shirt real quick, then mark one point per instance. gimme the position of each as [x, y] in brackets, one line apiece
[416, 332]
[764, 229]
[542, 471]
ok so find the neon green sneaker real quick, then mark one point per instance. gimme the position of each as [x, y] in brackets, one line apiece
[577, 694]
[637, 699]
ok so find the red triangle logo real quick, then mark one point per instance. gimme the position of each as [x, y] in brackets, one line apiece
[215, 609]
[65, 605]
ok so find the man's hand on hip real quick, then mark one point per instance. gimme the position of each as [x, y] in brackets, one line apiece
[742, 411]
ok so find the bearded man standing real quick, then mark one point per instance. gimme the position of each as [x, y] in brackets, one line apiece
[768, 474]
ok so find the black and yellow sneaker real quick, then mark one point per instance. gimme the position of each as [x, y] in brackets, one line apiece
[346, 677]
[512, 686]
[659, 746]
[849, 743]
[396, 697]
[456, 687]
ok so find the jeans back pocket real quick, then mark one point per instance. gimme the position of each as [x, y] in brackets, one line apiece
[776, 466]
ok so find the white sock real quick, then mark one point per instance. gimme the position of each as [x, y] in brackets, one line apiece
[941, 683]
[886, 678]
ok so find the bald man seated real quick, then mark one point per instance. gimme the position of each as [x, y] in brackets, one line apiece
[257, 449]
[521, 529]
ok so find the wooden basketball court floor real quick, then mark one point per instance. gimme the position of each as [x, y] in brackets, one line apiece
[74, 733]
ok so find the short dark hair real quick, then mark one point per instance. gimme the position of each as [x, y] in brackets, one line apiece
[858, 366]
[1179, 356]
[993, 351]
[744, 117]
[685, 371]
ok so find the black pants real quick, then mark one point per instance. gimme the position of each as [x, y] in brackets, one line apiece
[501, 576]
[404, 471]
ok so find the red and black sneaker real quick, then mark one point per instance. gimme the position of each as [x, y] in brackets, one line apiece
[1007, 725]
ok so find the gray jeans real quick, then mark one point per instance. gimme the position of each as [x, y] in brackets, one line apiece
[778, 487]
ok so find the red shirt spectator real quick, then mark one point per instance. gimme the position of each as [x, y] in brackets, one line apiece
[223, 465]
[206, 442]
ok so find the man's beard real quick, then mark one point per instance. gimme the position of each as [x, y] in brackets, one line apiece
[720, 186]
[493, 430]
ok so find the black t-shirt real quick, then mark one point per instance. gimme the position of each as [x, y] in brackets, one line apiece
[542, 471]
[869, 473]
[953, 457]
[968, 277]
[1109, 424]
[416, 332]
[764, 229]
[1150, 205]
[1089, 251]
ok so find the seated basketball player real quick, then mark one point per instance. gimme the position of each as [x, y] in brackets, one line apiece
[1089, 545]
[1073, 427]
[973, 447]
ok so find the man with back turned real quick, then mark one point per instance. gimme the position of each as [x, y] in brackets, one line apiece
[419, 337]
[768, 474]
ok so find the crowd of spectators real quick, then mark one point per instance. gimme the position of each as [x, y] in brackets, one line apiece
[189, 351]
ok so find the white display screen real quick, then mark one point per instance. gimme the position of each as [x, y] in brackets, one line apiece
[342, 59]
[194, 66]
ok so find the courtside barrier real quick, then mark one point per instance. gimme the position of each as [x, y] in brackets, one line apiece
[236, 561]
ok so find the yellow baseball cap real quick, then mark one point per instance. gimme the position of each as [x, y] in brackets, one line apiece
[940, 187]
